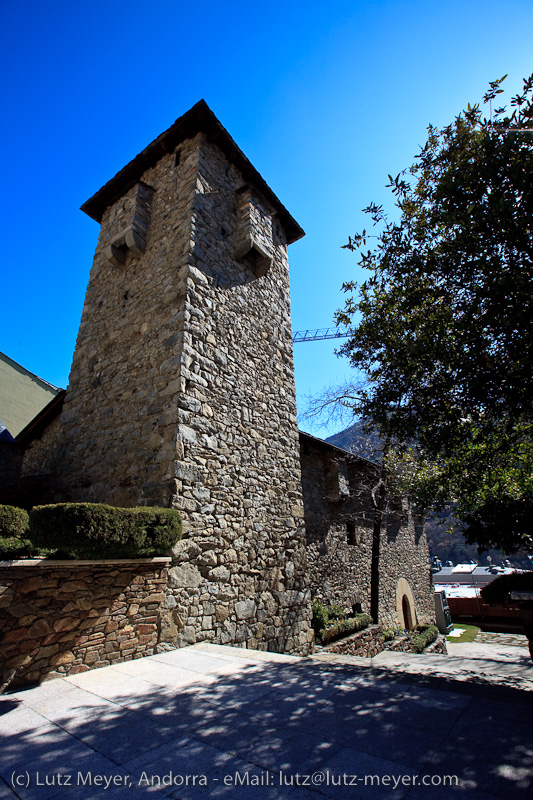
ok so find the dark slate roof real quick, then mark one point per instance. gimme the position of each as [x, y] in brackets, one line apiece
[333, 449]
[198, 119]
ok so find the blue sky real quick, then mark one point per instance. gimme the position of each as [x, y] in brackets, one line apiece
[325, 99]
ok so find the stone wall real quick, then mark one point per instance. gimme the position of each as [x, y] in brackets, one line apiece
[182, 386]
[405, 568]
[39, 456]
[339, 522]
[369, 643]
[366, 643]
[438, 646]
[62, 617]
[338, 491]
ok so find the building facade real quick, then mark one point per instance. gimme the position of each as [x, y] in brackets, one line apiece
[366, 549]
[182, 394]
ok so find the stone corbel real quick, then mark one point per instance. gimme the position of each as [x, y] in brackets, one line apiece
[253, 255]
[251, 246]
[133, 236]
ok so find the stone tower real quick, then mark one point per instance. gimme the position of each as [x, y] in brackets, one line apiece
[182, 392]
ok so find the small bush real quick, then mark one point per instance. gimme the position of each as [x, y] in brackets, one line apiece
[319, 620]
[498, 591]
[424, 638]
[323, 615]
[93, 530]
[335, 612]
[331, 622]
[12, 548]
[13, 522]
[344, 627]
[389, 634]
[14, 541]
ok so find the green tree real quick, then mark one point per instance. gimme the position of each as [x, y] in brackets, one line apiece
[442, 327]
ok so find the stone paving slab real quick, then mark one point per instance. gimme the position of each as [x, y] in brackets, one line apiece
[245, 725]
[468, 662]
[5, 792]
[509, 655]
[513, 639]
[474, 662]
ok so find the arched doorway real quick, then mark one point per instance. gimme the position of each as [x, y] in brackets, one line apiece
[405, 606]
[406, 611]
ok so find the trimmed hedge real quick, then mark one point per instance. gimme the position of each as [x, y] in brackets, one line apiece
[498, 591]
[14, 541]
[423, 639]
[344, 627]
[94, 530]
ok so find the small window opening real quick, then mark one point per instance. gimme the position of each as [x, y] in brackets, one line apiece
[350, 533]
[177, 158]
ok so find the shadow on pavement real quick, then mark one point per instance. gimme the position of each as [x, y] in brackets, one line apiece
[245, 729]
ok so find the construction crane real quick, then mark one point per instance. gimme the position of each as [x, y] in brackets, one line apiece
[315, 334]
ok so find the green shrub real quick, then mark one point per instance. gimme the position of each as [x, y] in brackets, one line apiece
[344, 627]
[389, 634]
[12, 548]
[421, 640]
[13, 522]
[323, 615]
[14, 541]
[498, 591]
[335, 612]
[319, 620]
[93, 530]
[330, 622]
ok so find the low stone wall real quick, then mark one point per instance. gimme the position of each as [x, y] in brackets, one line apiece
[438, 646]
[62, 617]
[369, 643]
[399, 645]
[366, 643]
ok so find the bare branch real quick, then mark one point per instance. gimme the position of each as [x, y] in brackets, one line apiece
[334, 404]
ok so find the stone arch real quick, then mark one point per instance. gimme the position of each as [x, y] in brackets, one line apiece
[405, 605]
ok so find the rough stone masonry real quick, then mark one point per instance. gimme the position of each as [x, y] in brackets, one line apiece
[182, 391]
[182, 394]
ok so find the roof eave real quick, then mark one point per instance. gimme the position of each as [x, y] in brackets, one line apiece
[199, 119]
[339, 451]
[36, 427]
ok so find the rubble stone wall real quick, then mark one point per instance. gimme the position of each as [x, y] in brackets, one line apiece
[338, 527]
[237, 480]
[404, 556]
[182, 394]
[339, 518]
[59, 618]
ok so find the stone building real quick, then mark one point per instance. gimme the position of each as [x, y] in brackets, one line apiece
[360, 555]
[182, 391]
[182, 394]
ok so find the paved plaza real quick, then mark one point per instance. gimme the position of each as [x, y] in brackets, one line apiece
[219, 722]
